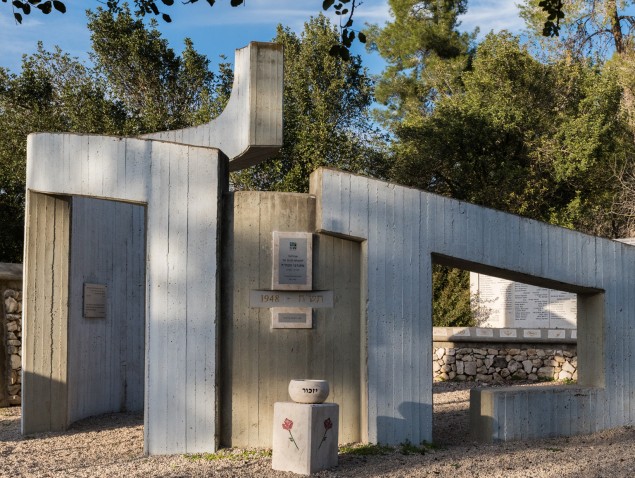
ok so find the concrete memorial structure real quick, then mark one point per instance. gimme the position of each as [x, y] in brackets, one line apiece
[188, 278]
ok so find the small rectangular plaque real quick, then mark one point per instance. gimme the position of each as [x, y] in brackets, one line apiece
[508, 333]
[291, 318]
[556, 334]
[94, 301]
[482, 332]
[292, 261]
[531, 333]
[461, 332]
[265, 299]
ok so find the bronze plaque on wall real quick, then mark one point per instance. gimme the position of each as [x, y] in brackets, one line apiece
[95, 301]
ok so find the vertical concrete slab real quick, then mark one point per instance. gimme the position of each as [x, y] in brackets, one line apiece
[249, 130]
[258, 362]
[184, 183]
[45, 315]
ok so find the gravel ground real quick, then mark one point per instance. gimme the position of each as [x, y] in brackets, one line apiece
[112, 446]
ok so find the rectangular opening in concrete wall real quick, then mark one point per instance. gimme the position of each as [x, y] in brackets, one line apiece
[491, 331]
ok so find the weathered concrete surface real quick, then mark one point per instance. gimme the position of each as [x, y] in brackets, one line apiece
[45, 314]
[181, 187]
[258, 362]
[305, 437]
[106, 356]
[249, 130]
[406, 230]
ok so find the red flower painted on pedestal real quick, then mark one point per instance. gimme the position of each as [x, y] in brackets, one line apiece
[328, 424]
[288, 425]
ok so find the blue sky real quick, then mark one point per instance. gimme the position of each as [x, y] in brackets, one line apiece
[221, 29]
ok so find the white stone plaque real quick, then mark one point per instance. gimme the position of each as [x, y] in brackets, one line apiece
[556, 334]
[461, 331]
[321, 299]
[511, 333]
[292, 261]
[481, 332]
[531, 334]
[504, 303]
[291, 318]
[94, 301]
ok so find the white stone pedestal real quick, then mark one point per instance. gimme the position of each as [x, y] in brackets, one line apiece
[304, 436]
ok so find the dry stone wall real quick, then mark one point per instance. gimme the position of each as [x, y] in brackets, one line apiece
[498, 362]
[12, 323]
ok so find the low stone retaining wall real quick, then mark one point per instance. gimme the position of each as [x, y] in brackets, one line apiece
[496, 362]
[11, 334]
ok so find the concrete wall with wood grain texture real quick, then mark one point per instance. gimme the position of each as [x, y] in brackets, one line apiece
[405, 231]
[259, 361]
[249, 130]
[106, 356]
[45, 314]
[181, 187]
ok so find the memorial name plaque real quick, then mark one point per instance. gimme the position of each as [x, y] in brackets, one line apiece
[291, 318]
[268, 299]
[504, 303]
[94, 301]
[292, 261]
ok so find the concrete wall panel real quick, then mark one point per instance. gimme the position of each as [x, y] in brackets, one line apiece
[398, 267]
[45, 334]
[258, 361]
[184, 184]
[250, 127]
[106, 356]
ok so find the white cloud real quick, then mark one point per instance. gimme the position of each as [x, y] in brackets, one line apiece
[491, 15]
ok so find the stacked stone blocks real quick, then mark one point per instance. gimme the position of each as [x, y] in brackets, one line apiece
[13, 335]
[503, 363]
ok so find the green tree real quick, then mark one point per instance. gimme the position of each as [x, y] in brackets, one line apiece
[540, 140]
[425, 56]
[326, 122]
[587, 27]
[452, 305]
[138, 85]
[52, 93]
[159, 89]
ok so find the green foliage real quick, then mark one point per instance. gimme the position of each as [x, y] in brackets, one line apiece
[326, 123]
[159, 89]
[407, 448]
[451, 302]
[584, 27]
[139, 85]
[425, 55]
[53, 93]
[525, 137]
